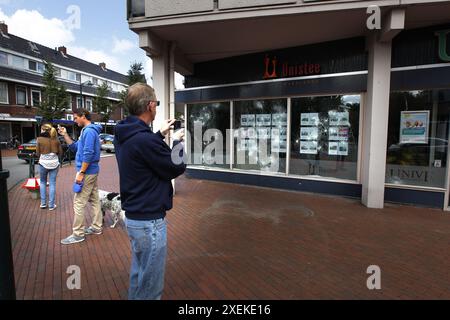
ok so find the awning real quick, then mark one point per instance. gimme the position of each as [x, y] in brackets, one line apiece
[63, 122]
[17, 119]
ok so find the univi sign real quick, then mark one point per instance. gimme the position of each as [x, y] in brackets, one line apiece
[443, 37]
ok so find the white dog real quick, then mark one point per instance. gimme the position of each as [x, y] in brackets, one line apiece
[111, 201]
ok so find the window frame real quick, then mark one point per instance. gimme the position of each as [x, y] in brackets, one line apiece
[29, 65]
[26, 95]
[7, 93]
[24, 60]
[32, 99]
[91, 108]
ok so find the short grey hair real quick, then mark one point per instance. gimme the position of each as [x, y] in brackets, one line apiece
[138, 97]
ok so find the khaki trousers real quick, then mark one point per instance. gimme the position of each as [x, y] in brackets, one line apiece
[89, 193]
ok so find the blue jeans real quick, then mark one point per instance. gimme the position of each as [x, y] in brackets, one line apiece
[148, 258]
[43, 187]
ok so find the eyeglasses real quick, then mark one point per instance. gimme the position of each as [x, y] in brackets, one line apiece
[157, 102]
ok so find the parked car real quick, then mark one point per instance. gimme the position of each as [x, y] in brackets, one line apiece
[102, 136]
[26, 150]
[415, 154]
[108, 143]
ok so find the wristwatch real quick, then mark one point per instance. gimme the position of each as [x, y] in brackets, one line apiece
[83, 172]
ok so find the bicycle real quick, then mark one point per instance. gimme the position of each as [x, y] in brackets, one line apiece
[13, 143]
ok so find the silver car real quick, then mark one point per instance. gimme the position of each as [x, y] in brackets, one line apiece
[107, 144]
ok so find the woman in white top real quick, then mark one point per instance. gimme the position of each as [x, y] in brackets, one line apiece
[49, 150]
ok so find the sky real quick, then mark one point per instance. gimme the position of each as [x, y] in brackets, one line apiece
[93, 30]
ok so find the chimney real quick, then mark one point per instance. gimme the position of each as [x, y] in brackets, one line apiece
[63, 50]
[103, 65]
[3, 27]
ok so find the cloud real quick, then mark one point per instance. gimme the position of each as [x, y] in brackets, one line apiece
[55, 32]
[96, 56]
[48, 32]
[122, 46]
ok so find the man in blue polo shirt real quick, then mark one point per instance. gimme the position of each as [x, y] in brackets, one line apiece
[87, 150]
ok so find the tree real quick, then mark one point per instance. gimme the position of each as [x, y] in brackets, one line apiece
[102, 105]
[54, 96]
[134, 75]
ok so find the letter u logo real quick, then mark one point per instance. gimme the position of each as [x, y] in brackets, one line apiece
[272, 75]
[443, 55]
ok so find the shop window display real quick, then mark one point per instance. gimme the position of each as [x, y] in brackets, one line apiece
[418, 138]
[260, 135]
[324, 136]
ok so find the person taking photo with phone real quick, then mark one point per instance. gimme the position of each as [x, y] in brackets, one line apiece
[146, 168]
[87, 160]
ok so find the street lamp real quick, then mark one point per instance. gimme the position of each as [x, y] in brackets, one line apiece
[86, 83]
[7, 285]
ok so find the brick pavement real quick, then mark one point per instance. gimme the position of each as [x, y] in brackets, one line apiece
[238, 242]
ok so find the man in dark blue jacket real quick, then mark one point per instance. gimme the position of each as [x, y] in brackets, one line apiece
[146, 167]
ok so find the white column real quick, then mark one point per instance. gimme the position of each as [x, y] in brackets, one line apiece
[164, 85]
[161, 84]
[375, 126]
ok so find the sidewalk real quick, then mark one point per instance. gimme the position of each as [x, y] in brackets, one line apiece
[238, 242]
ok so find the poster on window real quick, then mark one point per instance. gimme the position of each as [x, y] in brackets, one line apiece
[309, 119]
[281, 132]
[338, 118]
[308, 147]
[338, 148]
[338, 133]
[263, 120]
[414, 127]
[247, 120]
[279, 146]
[279, 119]
[309, 133]
[251, 133]
[263, 133]
[248, 145]
[278, 139]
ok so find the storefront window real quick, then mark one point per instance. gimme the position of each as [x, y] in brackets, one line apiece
[324, 136]
[260, 135]
[207, 125]
[418, 138]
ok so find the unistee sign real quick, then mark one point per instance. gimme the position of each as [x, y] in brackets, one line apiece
[276, 69]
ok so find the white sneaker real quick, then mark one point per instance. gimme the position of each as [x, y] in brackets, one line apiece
[52, 208]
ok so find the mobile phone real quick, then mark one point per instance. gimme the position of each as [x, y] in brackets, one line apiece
[177, 125]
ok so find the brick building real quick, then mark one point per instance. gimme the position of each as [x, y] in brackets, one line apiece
[21, 81]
